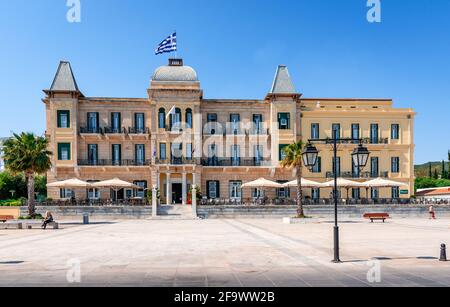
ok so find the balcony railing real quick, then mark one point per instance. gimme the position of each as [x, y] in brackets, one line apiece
[232, 162]
[135, 130]
[113, 130]
[362, 175]
[90, 130]
[105, 162]
[178, 161]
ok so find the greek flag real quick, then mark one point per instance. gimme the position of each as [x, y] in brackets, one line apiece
[167, 45]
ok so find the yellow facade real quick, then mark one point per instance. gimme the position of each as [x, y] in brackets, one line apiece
[221, 144]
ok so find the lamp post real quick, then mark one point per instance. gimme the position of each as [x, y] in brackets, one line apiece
[360, 156]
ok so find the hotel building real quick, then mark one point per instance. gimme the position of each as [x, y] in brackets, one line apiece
[174, 138]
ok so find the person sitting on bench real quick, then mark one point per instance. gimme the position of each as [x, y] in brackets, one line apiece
[48, 219]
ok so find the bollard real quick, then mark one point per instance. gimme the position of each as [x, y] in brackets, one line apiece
[443, 253]
[86, 219]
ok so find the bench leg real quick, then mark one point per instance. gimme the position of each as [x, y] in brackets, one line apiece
[56, 226]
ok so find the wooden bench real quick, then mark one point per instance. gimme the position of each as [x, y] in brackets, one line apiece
[376, 217]
[32, 224]
[5, 218]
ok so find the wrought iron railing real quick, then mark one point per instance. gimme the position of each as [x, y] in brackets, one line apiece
[135, 130]
[362, 175]
[108, 162]
[114, 130]
[90, 130]
[230, 162]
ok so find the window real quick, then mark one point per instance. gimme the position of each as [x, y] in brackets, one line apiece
[395, 132]
[336, 131]
[374, 170]
[213, 190]
[176, 153]
[355, 170]
[116, 122]
[284, 121]
[139, 122]
[235, 155]
[283, 192]
[66, 193]
[374, 193]
[355, 132]
[282, 153]
[356, 193]
[63, 119]
[93, 194]
[163, 151]
[395, 165]
[395, 192]
[116, 154]
[140, 154]
[128, 194]
[235, 120]
[212, 155]
[162, 118]
[315, 193]
[140, 193]
[64, 152]
[258, 154]
[189, 151]
[374, 134]
[212, 118]
[315, 134]
[235, 190]
[338, 166]
[258, 123]
[93, 121]
[189, 119]
[317, 169]
[257, 193]
[175, 120]
[93, 154]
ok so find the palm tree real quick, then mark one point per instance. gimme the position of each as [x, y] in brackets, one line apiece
[293, 159]
[28, 154]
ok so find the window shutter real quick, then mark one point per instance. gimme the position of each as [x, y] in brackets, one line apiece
[58, 119]
[218, 188]
[319, 162]
[69, 153]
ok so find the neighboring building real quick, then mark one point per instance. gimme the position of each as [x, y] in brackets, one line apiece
[221, 143]
[434, 194]
[2, 163]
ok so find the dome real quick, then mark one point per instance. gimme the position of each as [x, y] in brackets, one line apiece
[175, 72]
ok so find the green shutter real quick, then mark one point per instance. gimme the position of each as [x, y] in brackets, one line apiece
[59, 114]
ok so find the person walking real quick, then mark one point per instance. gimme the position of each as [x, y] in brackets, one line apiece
[432, 213]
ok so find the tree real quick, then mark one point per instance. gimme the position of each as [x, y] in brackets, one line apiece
[293, 159]
[27, 154]
[435, 176]
[430, 174]
[444, 172]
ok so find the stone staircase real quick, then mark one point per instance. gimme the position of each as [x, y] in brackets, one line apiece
[174, 212]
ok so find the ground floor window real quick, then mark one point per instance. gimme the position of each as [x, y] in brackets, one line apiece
[257, 193]
[235, 190]
[213, 189]
[283, 192]
[395, 192]
[66, 193]
[143, 187]
[375, 193]
[315, 193]
[93, 194]
[356, 193]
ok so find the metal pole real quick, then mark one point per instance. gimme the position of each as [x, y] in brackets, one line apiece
[336, 226]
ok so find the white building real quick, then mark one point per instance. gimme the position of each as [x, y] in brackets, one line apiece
[436, 194]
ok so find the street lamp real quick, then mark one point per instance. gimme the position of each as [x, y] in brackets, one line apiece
[360, 158]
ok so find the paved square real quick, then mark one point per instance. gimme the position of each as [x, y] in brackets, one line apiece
[260, 252]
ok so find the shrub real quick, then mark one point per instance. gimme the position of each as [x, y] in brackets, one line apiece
[36, 217]
[10, 203]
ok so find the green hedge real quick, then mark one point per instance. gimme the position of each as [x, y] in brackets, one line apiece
[11, 203]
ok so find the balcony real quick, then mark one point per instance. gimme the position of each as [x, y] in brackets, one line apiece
[138, 131]
[230, 162]
[362, 175]
[258, 131]
[103, 162]
[178, 161]
[114, 130]
[90, 130]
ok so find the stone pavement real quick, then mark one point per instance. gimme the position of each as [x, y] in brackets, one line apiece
[227, 253]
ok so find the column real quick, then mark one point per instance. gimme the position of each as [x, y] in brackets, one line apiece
[154, 201]
[194, 203]
[168, 189]
[184, 189]
[194, 179]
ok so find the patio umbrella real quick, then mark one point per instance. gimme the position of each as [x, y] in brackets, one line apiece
[381, 183]
[115, 184]
[305, 184]
[344, 183]
[262, 183]
[71, 183]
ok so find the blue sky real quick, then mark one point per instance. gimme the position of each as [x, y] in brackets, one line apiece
[235, 46]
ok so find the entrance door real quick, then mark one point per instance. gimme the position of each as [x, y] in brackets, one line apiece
[177, 192]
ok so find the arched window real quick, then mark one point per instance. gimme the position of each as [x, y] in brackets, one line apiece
[162, 118]
[189, 119]
[175, 119]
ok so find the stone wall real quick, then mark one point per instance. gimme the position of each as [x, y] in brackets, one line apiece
[104, 213]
